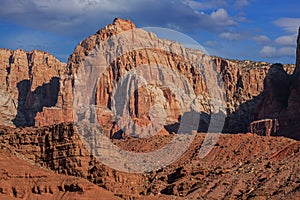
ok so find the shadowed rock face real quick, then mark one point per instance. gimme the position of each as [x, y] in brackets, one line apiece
[276, 93]
[31, 102]
[29, 81]
[289, 117]
[280, 98]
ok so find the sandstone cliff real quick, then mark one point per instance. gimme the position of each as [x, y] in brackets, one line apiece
[29, 82]
[38, 89]
[243, 83]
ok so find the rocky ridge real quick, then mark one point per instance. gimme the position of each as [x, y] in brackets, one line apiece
[27, 180]
[252, 166]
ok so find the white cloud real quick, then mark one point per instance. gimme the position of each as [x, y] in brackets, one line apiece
[272, 52]
[286, 51]
[268, 51]
[221, 16]
[64, 17]
[230, 36]
[262, 39]
[287, 40]
[288, 24]
[211, 43]
[204, 5]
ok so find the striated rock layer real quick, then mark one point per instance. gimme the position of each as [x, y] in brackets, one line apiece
[240, 166]
[38, 89]
[26, 180]
[29, 82]
[243, 83]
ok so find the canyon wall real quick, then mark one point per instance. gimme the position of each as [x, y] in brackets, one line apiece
[243, 83]
[38, 89]
[29, 82]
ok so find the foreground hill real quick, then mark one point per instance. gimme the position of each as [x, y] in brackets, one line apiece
[23, 179]
[240, 166]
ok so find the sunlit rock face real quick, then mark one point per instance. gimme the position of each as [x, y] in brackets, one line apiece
[29, 82]
[39, 90]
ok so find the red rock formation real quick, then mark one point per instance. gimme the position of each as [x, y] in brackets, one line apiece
[243, 85]
[29, 82]
[22, 179]
[243, 82]
[145, 96]
[263, 167]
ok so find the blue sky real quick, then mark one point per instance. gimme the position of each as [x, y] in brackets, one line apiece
[261, 30]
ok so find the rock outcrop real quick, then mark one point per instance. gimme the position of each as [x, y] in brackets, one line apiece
[280, 98]
[289, 117]
[29, 82]
[246, 83]
[26, 180]
[38, 89]
[263, 167]
[273, 100]
[243, 83]
[264, 127]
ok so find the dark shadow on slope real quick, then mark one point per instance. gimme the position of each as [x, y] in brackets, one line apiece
[31, 102]
[199, 121]
[238, 121]
[267, 105]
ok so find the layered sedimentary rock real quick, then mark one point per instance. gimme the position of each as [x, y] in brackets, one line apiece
[29, 82]
[162, 64]
[38, 89]
[263, 167]
[26, 180]
[243, 81]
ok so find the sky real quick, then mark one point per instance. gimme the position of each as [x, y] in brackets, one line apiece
[259, 30]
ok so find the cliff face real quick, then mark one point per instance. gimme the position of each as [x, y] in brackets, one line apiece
[29, 82]
[146, 95]
[280, 100]
[243, 83]
[38, 89]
